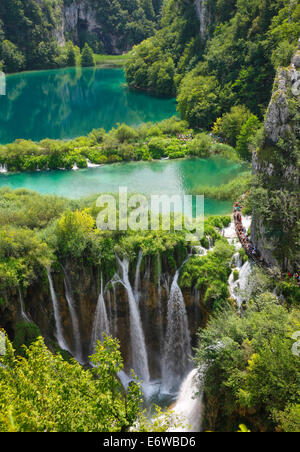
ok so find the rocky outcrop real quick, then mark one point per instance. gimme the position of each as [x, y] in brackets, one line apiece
[277, 175]
[85, 287]
[80, 16]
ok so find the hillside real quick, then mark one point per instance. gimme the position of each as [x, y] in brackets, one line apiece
[44, 27]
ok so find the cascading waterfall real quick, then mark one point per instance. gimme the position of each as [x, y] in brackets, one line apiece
[188, 408]
[3, 168]
[101, 322]
[236, 288]
[23, 314]
[138, 346]
[138, 277]
[159, 309]
[74, 319]
[59, 331]
[177, 350]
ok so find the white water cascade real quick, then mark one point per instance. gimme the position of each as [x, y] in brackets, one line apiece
[101, 322]
[3, 168]
[188, 408]
[23, 313]
[236, 288]
[138, 346]
[74, 319]
[59, 331]
[177, 350]
[138, 277]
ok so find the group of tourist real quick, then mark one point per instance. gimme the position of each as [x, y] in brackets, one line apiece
[250, 249]
[243, 235]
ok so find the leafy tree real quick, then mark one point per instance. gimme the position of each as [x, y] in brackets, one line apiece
[42, 392]
[13, 58]
[247, 132]
[230, 125]
[87, 56]
[198, 100]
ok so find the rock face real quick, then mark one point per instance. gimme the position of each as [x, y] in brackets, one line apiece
[276, 167]
[77, 16]
[85, 287]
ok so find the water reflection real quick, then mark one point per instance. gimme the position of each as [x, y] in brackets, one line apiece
[70, 102]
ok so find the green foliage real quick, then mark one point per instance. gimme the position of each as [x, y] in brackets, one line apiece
[250, 366]
[229, 127]
[209, 274]
[25, 334]
[240, 48]
[230, 191]
[245, 137]
[170, 138]
[87, 56]
[42, 392]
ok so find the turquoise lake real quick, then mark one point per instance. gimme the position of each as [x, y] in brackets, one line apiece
[68, 103]
[157, 177]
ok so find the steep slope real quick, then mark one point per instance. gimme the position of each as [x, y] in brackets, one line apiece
[44, 26]
[276, 165]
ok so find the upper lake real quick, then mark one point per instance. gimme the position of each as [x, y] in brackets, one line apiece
[67, 103]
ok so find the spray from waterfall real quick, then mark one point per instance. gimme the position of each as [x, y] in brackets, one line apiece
[74, 318]
[189, 407]
[138, 345]
[177, 350]
[59, 331]
[101, 322]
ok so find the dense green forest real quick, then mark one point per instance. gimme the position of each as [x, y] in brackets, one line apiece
[231, 62]
[41, 41]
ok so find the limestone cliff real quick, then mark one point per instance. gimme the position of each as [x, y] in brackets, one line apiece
[275, 226]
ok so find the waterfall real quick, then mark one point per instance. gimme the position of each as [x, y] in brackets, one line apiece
[101, 322]
[138, 346]
[188, 408]
[138, 277]
[23, 314]
[177, 349]
[74, 319]
[3, 168]
[59, 330]
[115, 325]
[236, 288]
[159, 310]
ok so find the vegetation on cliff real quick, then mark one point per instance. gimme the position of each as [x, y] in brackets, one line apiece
[252, 376]
[231, 61]
[40, 40]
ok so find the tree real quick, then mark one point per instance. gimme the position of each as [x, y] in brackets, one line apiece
[230, 125]
[13, 58]
[248, 131]
[198, 100]
[71, 54]
[43, 393]
[87, 56]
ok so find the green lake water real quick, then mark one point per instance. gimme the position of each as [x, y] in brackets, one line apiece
[68, 103]
[157, 177]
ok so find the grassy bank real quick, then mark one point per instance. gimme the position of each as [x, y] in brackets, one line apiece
[110, 60]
